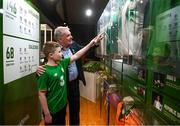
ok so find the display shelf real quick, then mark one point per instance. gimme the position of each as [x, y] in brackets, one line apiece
[136, 91]
[167, 87]
[112, 56]
[46, 34]
[136, 73]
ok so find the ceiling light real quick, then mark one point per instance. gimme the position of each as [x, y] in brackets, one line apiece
[88, 12]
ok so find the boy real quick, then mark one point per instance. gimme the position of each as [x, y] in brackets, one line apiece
[52, 84]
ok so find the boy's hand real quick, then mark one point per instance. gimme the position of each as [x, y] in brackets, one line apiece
[40, 70]
[98, 38]
[48, 119]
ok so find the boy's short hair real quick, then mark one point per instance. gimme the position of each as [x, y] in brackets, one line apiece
[50, 47]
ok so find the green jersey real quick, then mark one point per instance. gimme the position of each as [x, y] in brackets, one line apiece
[54, 81]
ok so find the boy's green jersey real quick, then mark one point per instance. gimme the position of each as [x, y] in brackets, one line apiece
[54, 81]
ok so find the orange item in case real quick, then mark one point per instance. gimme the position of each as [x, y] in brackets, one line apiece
[130, 119]
[118, 112]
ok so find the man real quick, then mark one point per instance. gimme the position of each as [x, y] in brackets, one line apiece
[63, 36]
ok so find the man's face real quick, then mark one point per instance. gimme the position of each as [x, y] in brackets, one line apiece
[66, 39]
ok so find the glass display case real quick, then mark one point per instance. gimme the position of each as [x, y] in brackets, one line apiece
[141, 48]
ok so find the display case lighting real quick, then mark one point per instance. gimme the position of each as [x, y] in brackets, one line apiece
[118, 60]
[1, 11]
[106, 13]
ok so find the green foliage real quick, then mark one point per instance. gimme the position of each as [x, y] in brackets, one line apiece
[93, 66]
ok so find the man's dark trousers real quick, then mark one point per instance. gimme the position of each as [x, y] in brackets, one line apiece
[74, 101]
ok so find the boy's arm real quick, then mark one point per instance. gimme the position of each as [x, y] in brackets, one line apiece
[86, 48]
[43, 101]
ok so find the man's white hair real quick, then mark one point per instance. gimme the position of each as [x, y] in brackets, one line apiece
[58, 32]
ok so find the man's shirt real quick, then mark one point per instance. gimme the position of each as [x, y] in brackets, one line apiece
[73, 72]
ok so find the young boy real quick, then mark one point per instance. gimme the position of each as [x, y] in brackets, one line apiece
[52, 84]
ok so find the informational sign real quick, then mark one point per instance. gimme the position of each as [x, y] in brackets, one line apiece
[21, 58]
[168, 25]
[20, 39]
[20, 19]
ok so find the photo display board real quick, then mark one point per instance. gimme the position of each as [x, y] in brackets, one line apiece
[20, 39]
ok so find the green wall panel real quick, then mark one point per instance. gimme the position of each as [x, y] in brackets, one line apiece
[19, 102]
[1, 67]
[20, 89]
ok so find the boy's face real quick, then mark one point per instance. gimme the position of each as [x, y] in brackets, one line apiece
[57, 55]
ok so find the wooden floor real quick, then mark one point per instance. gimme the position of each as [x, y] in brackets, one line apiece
[90, 113]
